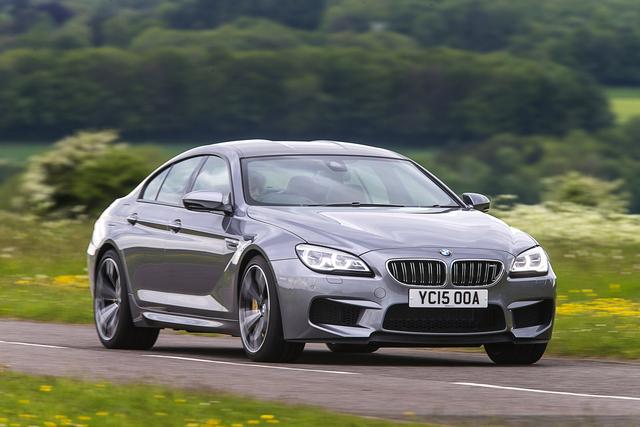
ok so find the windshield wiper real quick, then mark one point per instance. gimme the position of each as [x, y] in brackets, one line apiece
[358, 204]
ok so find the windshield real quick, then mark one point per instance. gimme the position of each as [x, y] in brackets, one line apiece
[340, 180]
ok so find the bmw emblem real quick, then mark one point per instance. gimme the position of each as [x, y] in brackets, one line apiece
[445, 252]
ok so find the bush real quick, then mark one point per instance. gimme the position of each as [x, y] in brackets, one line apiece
[579, 189]
[82, 174]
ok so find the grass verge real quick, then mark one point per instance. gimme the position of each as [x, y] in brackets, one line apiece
[51, 402]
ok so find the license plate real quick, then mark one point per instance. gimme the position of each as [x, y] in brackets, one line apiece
[454, 298]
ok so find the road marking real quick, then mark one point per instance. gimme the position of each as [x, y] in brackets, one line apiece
[250, 365]
[564, 393]
[28, 344]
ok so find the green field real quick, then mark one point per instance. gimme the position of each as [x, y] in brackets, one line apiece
[624, 102]
[596, 258]
[50, 402]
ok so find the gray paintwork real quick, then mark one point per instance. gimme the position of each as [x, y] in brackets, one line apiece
[187, 278]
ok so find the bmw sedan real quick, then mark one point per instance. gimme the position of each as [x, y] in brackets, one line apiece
[283, 243]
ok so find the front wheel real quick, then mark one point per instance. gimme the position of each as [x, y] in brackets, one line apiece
[111, 309]
[260, 318]
[515, 354]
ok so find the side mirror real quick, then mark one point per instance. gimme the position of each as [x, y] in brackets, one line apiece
[206, 201]
[479, 202]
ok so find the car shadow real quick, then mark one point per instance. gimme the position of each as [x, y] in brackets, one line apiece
[319, 357]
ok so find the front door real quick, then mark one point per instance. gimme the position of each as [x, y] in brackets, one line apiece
[199, 250]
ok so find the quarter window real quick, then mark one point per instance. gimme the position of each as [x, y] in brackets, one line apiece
[177, 180]
[151, 191]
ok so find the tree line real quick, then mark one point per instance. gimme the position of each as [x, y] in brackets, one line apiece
[417, 96]
[599, 37]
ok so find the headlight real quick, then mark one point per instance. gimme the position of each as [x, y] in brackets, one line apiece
[532, 262]
[327, 260]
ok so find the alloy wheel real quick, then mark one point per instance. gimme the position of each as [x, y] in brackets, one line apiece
[254, 307]
[107, 299]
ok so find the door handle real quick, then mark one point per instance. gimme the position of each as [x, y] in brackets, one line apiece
[133, 218]
[176, 225]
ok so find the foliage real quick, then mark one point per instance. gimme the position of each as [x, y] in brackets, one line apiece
[599, 37]
[81, 174]
[575, 225]
[47, 401]
[517, 165]
[586, 191]
[326, 92]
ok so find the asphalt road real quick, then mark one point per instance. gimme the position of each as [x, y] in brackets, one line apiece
[450, 387]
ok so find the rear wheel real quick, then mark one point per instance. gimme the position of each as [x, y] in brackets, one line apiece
[352, 348]
[111, 309]
[515, 354]
[260, 318]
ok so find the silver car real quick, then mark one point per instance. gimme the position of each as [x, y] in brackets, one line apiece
[284, 243]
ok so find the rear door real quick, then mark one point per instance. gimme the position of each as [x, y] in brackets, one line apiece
[143, 244]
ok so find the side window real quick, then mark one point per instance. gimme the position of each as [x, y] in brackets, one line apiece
[151, 191]
[214, 176]
[174, 186]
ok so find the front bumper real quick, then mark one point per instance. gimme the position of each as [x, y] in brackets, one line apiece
[522, 309]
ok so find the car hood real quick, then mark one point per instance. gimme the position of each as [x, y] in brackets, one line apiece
[363, 229]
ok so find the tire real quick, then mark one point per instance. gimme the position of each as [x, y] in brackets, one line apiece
[260, 318]
[352, 348]
[111, 310]
[515, 354]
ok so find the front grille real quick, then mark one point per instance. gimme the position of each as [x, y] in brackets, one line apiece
[401, 317]
[475, 273]
[418, 272]
[334, 313]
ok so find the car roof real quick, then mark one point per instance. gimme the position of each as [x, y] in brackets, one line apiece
[265, 147]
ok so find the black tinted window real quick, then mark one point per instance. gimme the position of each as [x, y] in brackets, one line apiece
[214, 176]
[175, 185]
[153, 186]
